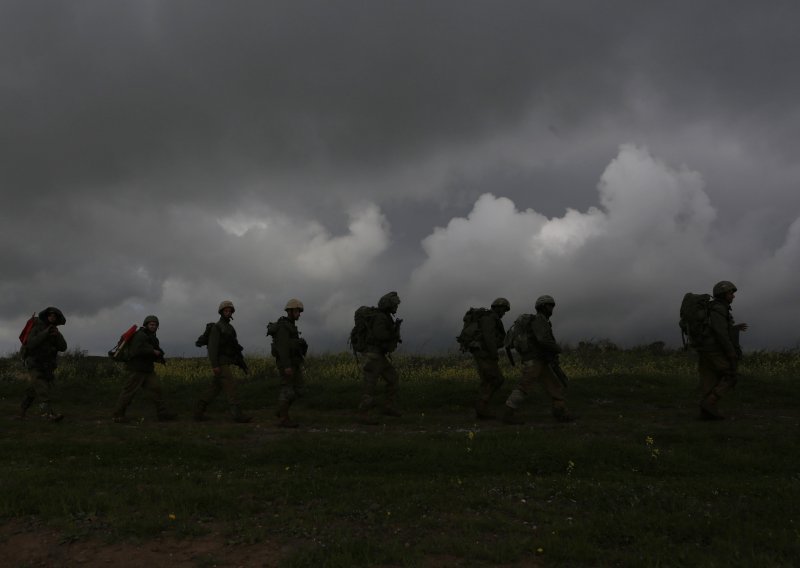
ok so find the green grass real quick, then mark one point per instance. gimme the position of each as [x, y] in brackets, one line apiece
[637, 480]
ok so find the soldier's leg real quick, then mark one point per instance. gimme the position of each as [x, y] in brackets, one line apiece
[41, 383]
[555, 391]
[389, 374]
[210, 394]
[290, 385]
[491, 379]
[230, 385]
[714, 370]
[520, 392]
[129, 389]
[370, 369]
[152, 389]
[29, 398]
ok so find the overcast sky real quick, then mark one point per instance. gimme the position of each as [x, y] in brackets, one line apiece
[162, 156]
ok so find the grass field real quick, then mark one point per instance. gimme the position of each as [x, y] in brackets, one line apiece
[638, 480]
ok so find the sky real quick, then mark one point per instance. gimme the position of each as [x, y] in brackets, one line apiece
[160, 157]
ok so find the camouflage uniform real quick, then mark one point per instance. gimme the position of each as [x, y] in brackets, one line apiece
[492, 334]
[536, 363]
[224, 351]
[383, 338]
[141, 365]
[719, 353]
[289, 350]
[41, 351]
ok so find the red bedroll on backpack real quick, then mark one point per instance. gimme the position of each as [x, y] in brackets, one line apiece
[123, 340]
[26, 331]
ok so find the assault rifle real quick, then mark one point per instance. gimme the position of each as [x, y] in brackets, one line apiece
[510, 356]
[555, 367]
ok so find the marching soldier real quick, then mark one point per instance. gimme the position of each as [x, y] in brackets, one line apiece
[40, 357]
[289, 350]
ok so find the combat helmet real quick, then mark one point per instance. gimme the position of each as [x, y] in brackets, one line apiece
[225, 304]
[148, 319]
[389, 300]
[502, 303]
[294, 303]
[723, 287]
[543, 301]
[60, 319]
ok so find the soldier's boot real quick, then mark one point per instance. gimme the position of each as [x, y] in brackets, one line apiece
[364, 417]
[24, 406]
[283, 416]
[562, 415]
[482, 411]
[200, 411]
[390, 410]
[510, 416]
[708, 408]
[238, 416]
[51, 415]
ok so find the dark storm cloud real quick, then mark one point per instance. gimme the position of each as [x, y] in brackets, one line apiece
[160, 155]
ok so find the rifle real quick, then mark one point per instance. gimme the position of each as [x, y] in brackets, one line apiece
[510, 356]
[241, 363]
[555, 367]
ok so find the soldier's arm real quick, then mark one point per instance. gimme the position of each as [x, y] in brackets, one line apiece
[718, 323]
[383, 329]
[61, 343]
[38, 336]
[544, 336]
[488, 333]
[213, 346]
[283, 342]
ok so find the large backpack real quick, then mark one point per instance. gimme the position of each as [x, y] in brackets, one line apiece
[518, 335]
[695, 315]
[202, 341]
[471, 339]
[362, 328]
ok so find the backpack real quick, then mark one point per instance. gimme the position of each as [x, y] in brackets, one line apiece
[121, 353]
[470, 338]
[23, 336]
[695, 315]
[361, 333]
[518, 335]
[202, 341]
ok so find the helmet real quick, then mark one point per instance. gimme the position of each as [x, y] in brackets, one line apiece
[723, 287]
[225, 304]
[501, 303]
[294, 303]
[388, 300]
[148, 319]
[60, 319]
[544, 300]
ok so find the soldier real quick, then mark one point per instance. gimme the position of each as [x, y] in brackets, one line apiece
[383, 335]
[40, 357]
[719, 353]
[289, 349]
[145, 351]
[538, 363]
[223, 351]
[490, 339]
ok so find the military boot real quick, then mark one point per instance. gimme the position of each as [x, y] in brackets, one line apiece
[200, 411]
[238, 416]
[52, 415]
[283, 415]
[482, 411]
[24, 406]
[391, 411]
[364, 417]
[509, 416]
[708, 408]
[561, 415]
